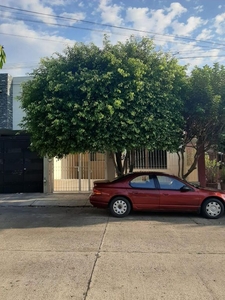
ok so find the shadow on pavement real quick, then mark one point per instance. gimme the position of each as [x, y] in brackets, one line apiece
[44, 217]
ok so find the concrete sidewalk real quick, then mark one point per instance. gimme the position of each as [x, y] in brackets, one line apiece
[39, 199]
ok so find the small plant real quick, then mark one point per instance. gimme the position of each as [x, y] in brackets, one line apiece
[211, 170]
[222, 177]
[222, 174]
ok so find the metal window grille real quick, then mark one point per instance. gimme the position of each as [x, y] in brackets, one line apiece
[156, 159]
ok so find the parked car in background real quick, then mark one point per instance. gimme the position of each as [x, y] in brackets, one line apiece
[155, 191]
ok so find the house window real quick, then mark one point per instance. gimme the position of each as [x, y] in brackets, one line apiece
[145, 159]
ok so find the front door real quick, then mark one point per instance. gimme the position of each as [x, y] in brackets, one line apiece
[172, 198]
[77, 172]
[143, 193]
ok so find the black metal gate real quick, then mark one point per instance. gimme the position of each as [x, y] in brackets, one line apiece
[21, 171]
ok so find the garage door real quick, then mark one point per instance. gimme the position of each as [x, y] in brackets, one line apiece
[21, 171]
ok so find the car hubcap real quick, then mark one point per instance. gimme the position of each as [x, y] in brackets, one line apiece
[120, 207]
[213, 209]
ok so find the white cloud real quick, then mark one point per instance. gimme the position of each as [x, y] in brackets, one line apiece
[154, 20]
[186, 29]
[206, 34]
[28, 44]
[55, 2]
[196, 56]
[35, 6]
[139, 17]
[75, 16]
[199, 8]
[110, 14]
[81, 4]
[219, 23]
[176, 9]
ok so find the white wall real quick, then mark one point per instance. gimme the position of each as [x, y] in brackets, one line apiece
[17, 110]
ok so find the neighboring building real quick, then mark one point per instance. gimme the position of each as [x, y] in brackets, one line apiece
[22, 171]
[6, 109]
[18, 113]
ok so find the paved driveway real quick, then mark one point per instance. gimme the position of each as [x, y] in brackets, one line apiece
[82, 253]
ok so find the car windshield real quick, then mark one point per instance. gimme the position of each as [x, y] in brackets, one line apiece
[195, 185]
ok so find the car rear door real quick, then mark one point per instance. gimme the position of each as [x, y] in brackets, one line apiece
[171, 196]
[143, 193]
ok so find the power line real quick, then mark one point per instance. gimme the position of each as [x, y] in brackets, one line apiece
[196, 50]
[14, 68]
[72, 43]
[31, 37]
[24, 66]
[35, 66]
[99, 30]
[61, 25]
[203, 56]
[91, 29]
[104, 31]
[112, 26]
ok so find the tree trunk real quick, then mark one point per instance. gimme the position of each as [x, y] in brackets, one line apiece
[119, 166]
[179, 160]
[182, 162]
[132, 161]
[192, 167]
[200, 149]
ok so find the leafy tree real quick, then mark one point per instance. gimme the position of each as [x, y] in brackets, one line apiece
[204, 112]
[2, 56]
[120, 97]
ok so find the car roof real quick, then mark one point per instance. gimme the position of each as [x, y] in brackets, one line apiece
[155, 172]
[139, 173]
[148, 172]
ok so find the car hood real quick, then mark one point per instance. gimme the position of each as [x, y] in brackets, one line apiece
[207, 189]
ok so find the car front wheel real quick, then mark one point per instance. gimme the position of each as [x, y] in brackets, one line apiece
[212, 208]
[120, 207]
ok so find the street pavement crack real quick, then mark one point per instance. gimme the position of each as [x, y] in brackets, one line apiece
[206, 285]
[96, 259]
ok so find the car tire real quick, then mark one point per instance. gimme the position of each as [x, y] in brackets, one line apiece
[212, 208]
[120, 207]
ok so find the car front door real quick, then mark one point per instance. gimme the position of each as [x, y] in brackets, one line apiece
[172, 197]
[143, 193]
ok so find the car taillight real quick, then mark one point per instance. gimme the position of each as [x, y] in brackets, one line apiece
[96, 192]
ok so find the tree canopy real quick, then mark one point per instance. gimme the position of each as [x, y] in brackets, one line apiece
[122, 96]
[2, 56]
[204, 111]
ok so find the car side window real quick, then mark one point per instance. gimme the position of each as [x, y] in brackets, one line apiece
[169, 183]
[143, 182]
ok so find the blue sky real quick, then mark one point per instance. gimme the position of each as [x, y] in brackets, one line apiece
[191, 30]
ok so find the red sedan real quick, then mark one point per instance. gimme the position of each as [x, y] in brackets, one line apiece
[157, 192]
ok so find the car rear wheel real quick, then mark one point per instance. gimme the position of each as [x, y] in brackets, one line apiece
[120, 207]
[212, 208]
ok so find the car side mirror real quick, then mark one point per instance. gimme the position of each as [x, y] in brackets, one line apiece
[185, 188]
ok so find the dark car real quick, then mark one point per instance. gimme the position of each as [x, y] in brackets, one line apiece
[155, 191]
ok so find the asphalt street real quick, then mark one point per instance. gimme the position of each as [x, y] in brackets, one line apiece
[83, 253]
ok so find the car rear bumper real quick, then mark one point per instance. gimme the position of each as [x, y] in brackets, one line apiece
[97, 202]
